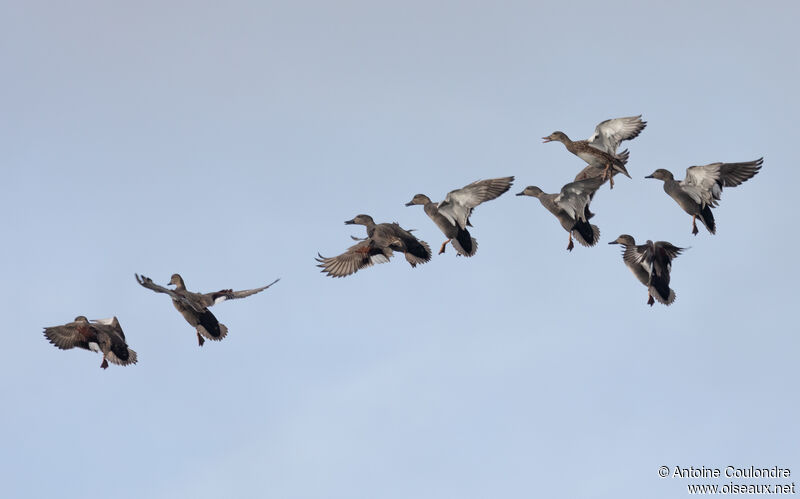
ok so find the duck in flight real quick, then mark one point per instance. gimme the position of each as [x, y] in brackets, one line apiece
[701, 190]
[104, 336]
[600, 150]
[194, 306]
[378, 247]
[452, 214]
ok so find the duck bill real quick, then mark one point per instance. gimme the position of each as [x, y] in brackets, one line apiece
[520, 193]
[649, 176]
[350, 222]
[410, 203]
[546, 139]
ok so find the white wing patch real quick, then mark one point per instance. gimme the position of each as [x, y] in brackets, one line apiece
[379, 258]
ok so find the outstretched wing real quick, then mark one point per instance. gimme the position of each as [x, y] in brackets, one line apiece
[229, 294]
[359, 256]
[704, 183]
[458, 204]
[609, 133]
[721, 174]
[149, 284]
[71, 335]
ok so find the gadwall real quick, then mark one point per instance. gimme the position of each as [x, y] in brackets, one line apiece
[194, 306]
[104, 336]
[650, 263]
[571, 208]
[382, 240]
[452, 214]
[600, 150]
[701, 190]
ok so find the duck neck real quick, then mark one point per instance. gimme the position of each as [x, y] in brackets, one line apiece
[370, 228]
[562, 137]
[431, 208]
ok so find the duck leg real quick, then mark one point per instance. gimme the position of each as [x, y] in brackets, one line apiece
[444, 244]
[104, 365]
[650, 300]
[570, 245]
[200, 340]
[694, 225]
[608, 174]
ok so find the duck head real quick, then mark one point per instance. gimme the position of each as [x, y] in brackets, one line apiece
[661, 174]
[419, 199]
[177, 280]
[532, 191]
[624, 240]
[360, 220]
[557, 136]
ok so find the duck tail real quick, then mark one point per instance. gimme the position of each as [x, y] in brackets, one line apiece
[660, 290]
[464, 243]
[417, 252]
[586, 234]
[707, 217]
[210, 328]
[122, 357]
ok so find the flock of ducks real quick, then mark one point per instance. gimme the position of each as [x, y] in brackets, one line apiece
[696, 194]
[651, 262]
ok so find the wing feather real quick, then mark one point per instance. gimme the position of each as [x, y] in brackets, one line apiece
[359, 256]
[458, 204]
[609, 133]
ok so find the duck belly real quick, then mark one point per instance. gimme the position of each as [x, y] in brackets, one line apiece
[592, 159]
[187, 313]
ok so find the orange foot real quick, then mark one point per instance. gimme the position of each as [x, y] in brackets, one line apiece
[444, 245]
[104, 365]
[650, 300]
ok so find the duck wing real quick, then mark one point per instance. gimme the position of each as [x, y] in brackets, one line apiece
[574, 197]
[70, 335]
[359, 256]
[229, 294]
[149, 284]
[609, 133]
[458, 204]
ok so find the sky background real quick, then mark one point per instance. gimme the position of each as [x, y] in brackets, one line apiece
[229, 142]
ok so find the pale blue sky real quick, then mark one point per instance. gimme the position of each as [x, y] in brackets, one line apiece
[228, 142]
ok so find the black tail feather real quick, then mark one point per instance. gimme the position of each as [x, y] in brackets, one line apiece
[707, 217]
[464, 243]
[208, 321]
[585, 233]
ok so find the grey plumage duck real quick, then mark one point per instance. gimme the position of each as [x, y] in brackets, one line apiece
[651, 264]
[104, 336]
[701, 190]
[382, 240]
[194, 306]
[452, 214]
[600, 150]
[571, 208]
